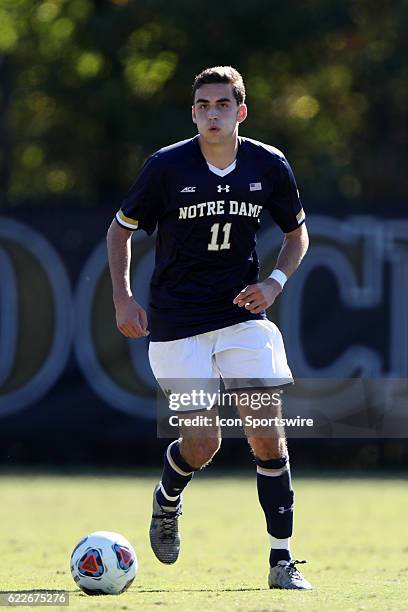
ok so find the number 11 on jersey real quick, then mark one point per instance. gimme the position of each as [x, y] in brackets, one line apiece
[213, 245]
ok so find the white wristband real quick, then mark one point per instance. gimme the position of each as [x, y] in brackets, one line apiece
[279, 276]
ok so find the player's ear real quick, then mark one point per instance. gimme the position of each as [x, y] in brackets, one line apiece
[193, 115]
[242, 113]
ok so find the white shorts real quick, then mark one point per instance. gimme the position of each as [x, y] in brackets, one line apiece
[247, 355]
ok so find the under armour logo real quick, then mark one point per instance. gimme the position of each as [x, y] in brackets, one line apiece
[282, 509]
[221, 188]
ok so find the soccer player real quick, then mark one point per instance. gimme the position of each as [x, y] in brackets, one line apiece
[207, 306]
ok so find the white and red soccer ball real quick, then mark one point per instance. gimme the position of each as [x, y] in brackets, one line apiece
[103, 563]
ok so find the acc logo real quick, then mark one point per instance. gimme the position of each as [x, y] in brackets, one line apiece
[37, 321]
[36, 316]
[37, 311]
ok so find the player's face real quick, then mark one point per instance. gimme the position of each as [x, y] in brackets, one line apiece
[216, 112]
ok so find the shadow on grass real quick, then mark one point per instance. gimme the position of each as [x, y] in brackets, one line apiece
[53, 591]
[78, 592]
[207, 590]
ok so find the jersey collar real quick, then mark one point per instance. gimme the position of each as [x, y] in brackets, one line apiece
[223, 172]
[214, 169]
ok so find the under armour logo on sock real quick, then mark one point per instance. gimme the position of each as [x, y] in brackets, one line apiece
[282, 509]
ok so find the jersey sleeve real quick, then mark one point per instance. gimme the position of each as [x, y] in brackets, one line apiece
[144, 201]
[284, 204]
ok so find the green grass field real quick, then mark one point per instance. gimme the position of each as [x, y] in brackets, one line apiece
[353, 532]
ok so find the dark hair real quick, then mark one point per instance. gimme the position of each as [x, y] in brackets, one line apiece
[222, 74]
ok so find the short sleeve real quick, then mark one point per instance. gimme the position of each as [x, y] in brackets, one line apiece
[284, 203]
[144, 201]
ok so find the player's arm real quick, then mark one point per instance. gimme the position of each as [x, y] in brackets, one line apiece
[260, 296]
[286, 210]
[294, 248]
[131, 318]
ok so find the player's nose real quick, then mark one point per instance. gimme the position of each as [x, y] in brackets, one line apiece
[212, 114]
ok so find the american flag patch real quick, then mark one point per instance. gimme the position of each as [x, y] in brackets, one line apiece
[255, 186]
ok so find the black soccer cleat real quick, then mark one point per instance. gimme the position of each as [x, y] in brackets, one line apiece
[164, 533]
[285, 575]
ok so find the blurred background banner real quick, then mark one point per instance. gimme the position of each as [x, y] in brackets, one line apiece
[88, 90]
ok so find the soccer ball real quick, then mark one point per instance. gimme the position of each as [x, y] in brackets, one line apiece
[103, 563]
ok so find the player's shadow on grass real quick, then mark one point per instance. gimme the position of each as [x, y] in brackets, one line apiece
[78, 592]
[35, 591]
[206, 590]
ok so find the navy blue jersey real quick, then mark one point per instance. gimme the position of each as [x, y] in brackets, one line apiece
[207, 224]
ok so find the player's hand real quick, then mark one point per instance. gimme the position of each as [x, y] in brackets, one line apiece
[258, 297]
[131, 319]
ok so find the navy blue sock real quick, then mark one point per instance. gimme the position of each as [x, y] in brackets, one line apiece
[279, 554]
[276, 498]
[177, 473]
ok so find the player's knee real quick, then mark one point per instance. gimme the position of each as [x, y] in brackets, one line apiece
[268, 448]
[206, 449]
[199, 451]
